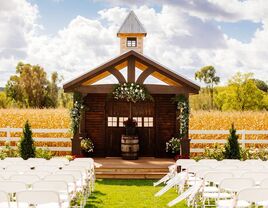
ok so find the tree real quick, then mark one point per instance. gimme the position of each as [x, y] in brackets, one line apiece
[241, 94]
[262, 85]
[207, 74]
[232, 148]
[26, 147]
[30, 87]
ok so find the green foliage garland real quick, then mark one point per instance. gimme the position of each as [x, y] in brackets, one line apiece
[131, 92]
[76, 112]
[26, 147]
[184, 111]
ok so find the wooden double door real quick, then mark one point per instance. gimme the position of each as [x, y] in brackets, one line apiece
[143, 113]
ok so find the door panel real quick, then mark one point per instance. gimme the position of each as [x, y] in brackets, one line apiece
[113, 134]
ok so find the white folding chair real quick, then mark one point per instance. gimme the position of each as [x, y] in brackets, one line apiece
[83, 170]
[4, 200]
[7, 174]
[49, 199]
[18, 168]
[29, 179]
[77, 176]
[211, 192]
[13, 160]
[59, 160]
[4, 164]
[258, 196]
[59, 186]
[256, 176]
[40, 174]
[264, 183]
[68, 178]
[47, 168]
[233, 186]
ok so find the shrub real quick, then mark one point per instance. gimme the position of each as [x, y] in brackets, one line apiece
[8, 151]
[232, 148]
[44, 153]
[254, 153]
[217, 152]
[173, 146]
[87, 145]
[26, 147]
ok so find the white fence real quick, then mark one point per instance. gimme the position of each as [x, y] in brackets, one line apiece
[9, 130]
[242, 139]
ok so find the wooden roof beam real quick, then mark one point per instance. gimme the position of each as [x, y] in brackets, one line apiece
[144, 75]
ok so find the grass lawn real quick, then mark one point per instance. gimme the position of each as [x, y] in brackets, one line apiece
[129, 194]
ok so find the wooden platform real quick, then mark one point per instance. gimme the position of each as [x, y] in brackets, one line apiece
[143, 168]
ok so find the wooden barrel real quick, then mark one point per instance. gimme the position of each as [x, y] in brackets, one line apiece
[129, 147]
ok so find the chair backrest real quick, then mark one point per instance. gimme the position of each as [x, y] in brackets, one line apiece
[48, 168]
[12, 186]
[79, 168]
[16, 160]
[256, 175]
[37, 198]
[264, 183]
[59, 186]
[4, 164]
[7, 174]
[84, 159]
[253, 194]
[75, 173]
[207, 161]
[36, 160]
[68, 178]
[87, 165]
[29, 179]
[196, 168]
[217, 176]
[62, 160]
[226, 167]
[184, 163]
[40, 174]
[236, 184]
[4, 199]
[18, 168]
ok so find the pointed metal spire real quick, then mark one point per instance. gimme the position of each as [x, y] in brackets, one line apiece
[131, 25]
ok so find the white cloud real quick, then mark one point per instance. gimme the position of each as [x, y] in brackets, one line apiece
[181, 36]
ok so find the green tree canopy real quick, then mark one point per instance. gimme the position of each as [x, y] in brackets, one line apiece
[241, 93]
[207, 74]
[31, 88]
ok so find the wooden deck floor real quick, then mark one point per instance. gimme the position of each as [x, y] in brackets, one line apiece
[143, 168]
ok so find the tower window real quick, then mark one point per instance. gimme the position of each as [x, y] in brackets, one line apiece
[131, 42]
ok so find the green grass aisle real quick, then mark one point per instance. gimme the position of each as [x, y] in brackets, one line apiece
[129, 194]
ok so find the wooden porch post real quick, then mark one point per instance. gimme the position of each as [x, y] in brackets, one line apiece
[131, 69]
[185, 142]
[76, 146]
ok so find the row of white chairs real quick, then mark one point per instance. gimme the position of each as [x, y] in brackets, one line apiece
[206, 178]
[57, 175]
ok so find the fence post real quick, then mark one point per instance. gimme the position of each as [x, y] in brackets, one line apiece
[8, 134]
[243, 139]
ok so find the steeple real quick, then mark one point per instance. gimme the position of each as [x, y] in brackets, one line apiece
[131, 34]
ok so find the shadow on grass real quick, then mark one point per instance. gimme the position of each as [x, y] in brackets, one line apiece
[95, 201]
[126, 182]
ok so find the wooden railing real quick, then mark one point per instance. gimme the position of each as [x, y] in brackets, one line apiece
[8, 132]
[242, 139]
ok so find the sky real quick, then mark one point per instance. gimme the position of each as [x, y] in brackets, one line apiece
[73, 36]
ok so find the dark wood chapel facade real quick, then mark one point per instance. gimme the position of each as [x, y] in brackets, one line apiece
[104, 116]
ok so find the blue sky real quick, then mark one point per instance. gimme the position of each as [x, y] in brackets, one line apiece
[73, 36]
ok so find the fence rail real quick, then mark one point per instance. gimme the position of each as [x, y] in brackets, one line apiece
[9, 130]
[243, 139]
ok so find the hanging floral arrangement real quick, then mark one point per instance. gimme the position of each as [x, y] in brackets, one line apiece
[131, 92]
[183, 114]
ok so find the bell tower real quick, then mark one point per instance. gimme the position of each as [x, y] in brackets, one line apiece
[131, 34]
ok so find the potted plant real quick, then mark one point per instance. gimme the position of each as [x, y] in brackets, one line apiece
[87, 146]
[173, 146]
[130, 126]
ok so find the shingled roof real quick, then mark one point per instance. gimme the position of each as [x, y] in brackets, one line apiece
[131, 25]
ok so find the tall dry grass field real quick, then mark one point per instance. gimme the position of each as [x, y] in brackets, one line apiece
[38, 118]
[216, 120]
[213, 120]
